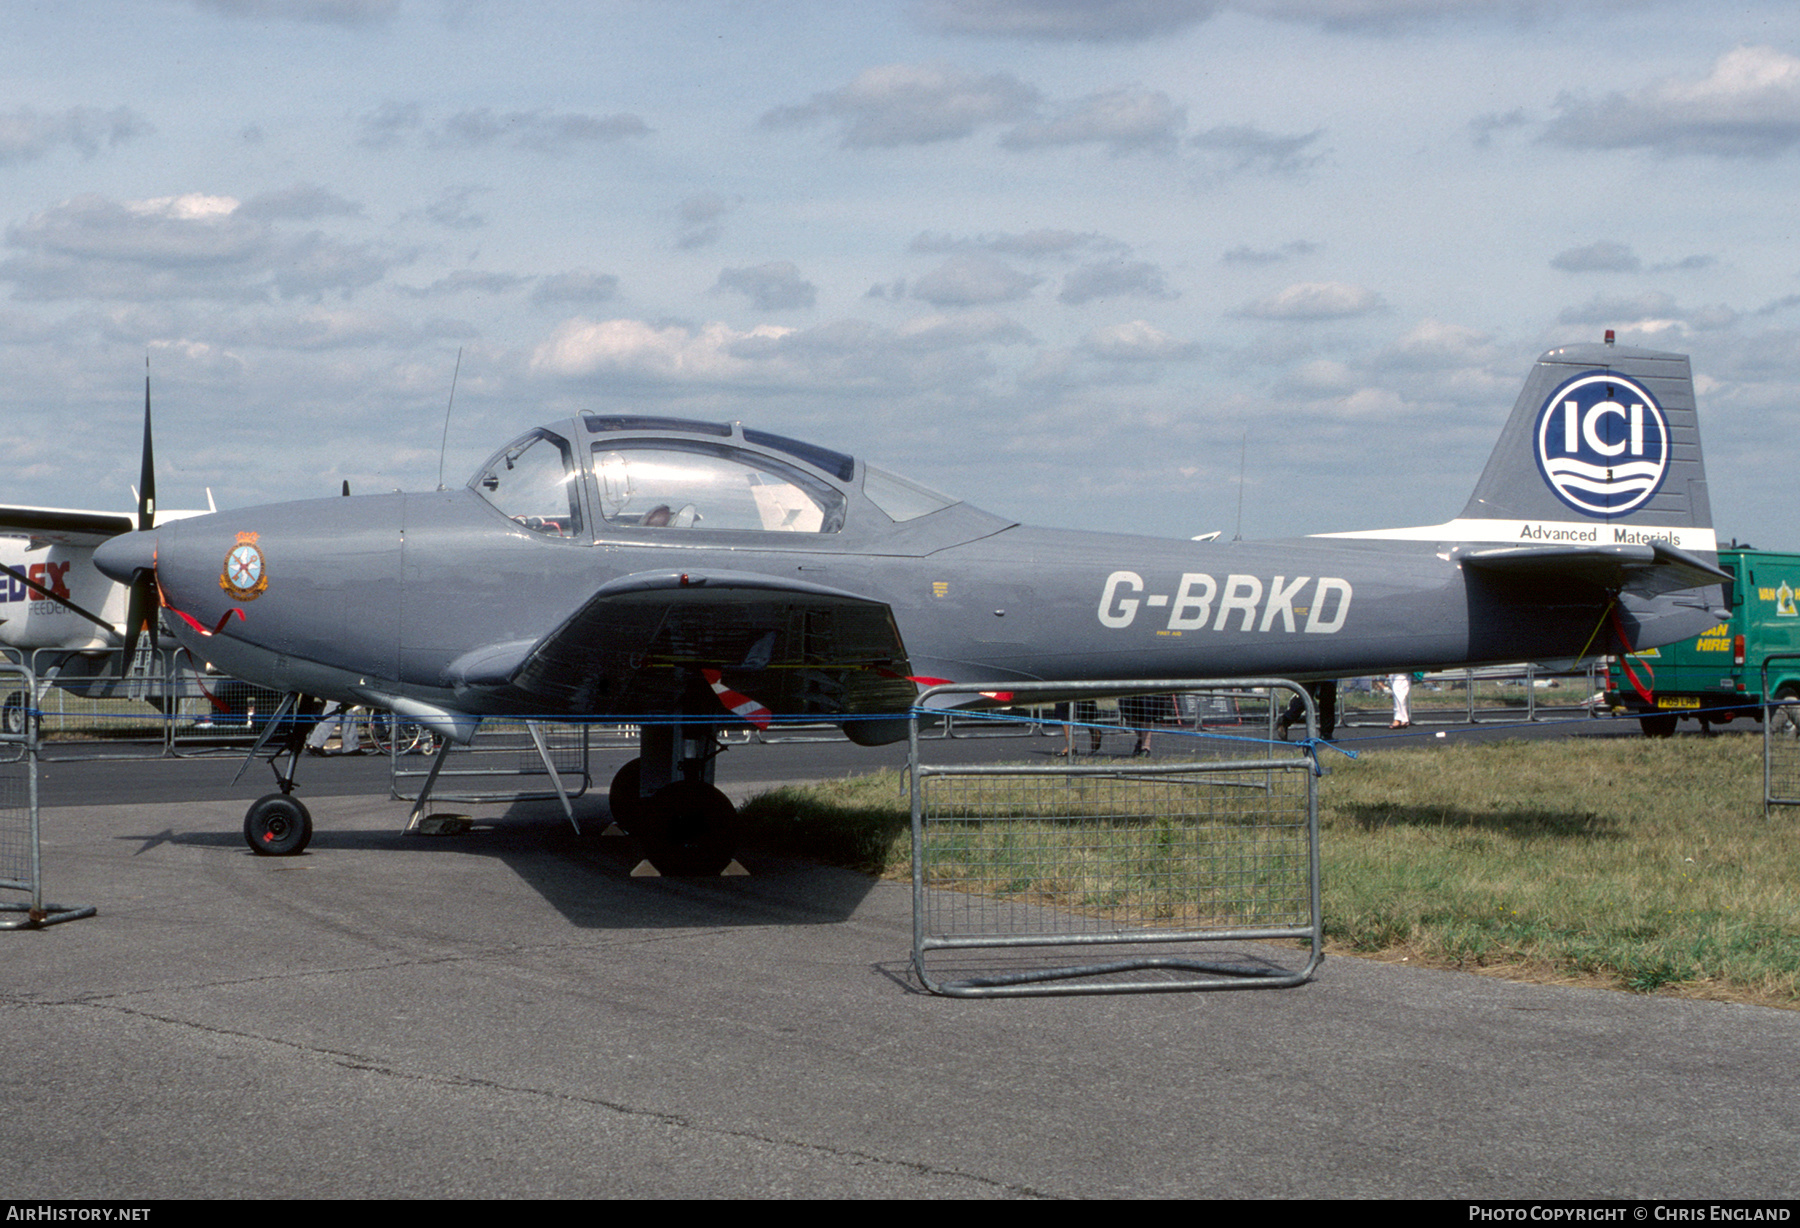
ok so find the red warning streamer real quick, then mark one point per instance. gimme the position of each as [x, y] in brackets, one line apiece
[739, 703]
[1625, 659]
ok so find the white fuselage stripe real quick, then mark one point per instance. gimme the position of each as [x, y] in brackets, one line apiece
[1544, 532]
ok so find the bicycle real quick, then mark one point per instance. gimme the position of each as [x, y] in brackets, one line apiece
[394, 735]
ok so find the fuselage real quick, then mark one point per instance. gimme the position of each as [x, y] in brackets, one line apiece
[380, 596]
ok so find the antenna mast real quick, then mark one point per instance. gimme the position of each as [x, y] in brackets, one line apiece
[444, 443]
[1243, 454]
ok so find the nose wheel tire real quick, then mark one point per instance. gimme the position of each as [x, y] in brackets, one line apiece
[688, 828]
[277, 826]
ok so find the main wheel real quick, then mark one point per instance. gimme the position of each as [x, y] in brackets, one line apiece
[1784, 713]
[1658, 724]
[623, 798]
[15, 713]
[277, 826]
[689, 827]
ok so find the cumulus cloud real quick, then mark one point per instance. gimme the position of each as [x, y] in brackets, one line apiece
[700, 217]
[1601, 257]
[1651, 312]
[840, 357]
[972, 280]
[1124, 121]
[912, 104]
[549, 132]
[660, 352]
[1321, 377]
[1112, 279]
[575, 286]
[27, 135]
[303, 202]
[1747, 106]
[1245, 148]
[318, 329]
[1377, 405]
[1030, 243]
[388, 124]
[1611, 309]
[1091, 21]
[542, 131]
[960, 328]
[1483, 127]
[1315, 300]
[465, 281]
[776, 286]
[1384, 15]
[451, 209]
[1687, 264]
[331, 12]
[189, 246]
[1137, 341]
[1434, 344]
[1247, 255]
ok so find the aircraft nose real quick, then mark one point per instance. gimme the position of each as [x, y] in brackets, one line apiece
[122, 557]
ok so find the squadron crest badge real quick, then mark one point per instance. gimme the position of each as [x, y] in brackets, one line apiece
[245, 575]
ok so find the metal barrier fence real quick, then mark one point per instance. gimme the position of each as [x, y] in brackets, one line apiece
[1040, 868]
[84, 707]
[1781, 742]
[1469, 696]
[21, 862]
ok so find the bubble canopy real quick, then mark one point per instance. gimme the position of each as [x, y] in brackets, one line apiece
[680, 475]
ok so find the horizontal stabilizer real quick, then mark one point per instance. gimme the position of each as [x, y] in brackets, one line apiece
[1647, 569]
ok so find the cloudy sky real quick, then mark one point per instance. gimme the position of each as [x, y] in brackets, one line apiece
[1078, 262]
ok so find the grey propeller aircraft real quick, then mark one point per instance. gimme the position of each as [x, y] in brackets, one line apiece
[56, 608]
[699, 576]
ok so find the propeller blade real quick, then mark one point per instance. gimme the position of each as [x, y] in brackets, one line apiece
[144, 608]
[147, 471]
[136, 614]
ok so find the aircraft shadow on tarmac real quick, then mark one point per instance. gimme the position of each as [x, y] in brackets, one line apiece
[588, 877]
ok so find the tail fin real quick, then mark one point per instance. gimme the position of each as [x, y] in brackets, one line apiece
[1602, 451]
[1603, 448]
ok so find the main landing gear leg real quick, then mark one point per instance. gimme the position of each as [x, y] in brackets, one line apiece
[416, 821]
[665, 797]
[278, 825]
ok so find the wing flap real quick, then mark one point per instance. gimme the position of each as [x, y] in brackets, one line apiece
[645, 643]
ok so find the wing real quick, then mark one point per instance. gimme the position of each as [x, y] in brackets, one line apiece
[645, 643]
[61, 526]
[1647, 569]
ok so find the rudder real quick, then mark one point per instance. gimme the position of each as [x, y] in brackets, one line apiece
[1603, 446]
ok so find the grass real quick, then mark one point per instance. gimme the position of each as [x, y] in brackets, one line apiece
[1641, 864]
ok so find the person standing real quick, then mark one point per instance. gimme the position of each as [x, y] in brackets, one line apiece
[1401, 686]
